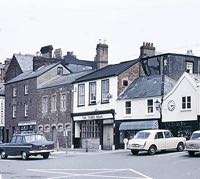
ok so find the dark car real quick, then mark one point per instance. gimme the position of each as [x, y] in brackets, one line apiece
[27, 144]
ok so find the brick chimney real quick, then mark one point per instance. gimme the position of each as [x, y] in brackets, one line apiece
[101, 57]
[58, 53]
[147, 50]
[46, 51]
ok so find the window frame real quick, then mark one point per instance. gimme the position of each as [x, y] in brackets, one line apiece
[105, 91]
[186, 103]
[81, 95]
[90, 129]
[14, 111]
[26, 89]
[128, 108]
[63, 101]
[25, 110]
[45, 104]
[189, 67]
[92, 94]
[14, 92]
[150, 107]
[60, 71]
[53, 102]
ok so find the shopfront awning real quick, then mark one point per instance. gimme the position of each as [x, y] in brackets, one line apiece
[138, 125]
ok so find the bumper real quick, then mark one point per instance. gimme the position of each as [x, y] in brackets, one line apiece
[140, 148]
[40, 151]
[193, 150]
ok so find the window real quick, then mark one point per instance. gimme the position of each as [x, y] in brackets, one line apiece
[44, 104]
[60, 127]
[14, 92]
[125, 82]
[128, 107]
[105, 91]
[168, 134]
[186, 102]
[53, 103]
[40, 128]
[25, 89]
[14, 111]
[189, 67]
[90, 129]
[81, 95]
[150, 105]
[60, 71]
[63, 101]
[47, 128]
[25, 109]
[92, 92]
[159, 135]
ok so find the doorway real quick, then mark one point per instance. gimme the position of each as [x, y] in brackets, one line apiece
[54, 134]
[107, 137]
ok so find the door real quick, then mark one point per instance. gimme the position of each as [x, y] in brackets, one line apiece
[107, 137]
[54, 134]
[160, 141]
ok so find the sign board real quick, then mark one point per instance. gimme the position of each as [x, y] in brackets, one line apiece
[93, 117]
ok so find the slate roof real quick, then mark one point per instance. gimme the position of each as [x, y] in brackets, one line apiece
[2, 89]
[148, 86]
[31, 74]
[25, 61]
[108, 71]
[195, 78]
[65, 79]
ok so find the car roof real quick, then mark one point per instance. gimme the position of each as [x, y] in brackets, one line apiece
[198, 131]
[154, 130]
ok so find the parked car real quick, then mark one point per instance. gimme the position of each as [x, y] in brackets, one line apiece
[193, 145]
[155, 140]
[27, 144]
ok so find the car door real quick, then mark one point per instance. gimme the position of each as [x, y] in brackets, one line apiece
[160, 141]
[171, 142]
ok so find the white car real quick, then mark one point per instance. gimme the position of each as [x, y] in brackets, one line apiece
[193, 145]
[155, 140]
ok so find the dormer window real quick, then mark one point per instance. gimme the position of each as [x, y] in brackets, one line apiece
[60, 71]
[189, 67]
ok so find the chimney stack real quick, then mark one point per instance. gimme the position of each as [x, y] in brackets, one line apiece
[58, 53]
[101, 57]
[147, 50]
[46, 51]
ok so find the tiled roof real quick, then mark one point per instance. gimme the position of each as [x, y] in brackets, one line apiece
[108, 71]
[25, 61]
[148, 86]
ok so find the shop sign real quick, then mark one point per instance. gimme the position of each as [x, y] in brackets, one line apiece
[93, 117]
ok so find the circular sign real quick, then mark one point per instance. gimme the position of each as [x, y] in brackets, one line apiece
[171, 105]
[125, 140]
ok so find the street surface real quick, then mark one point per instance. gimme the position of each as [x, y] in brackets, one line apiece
[78, 164]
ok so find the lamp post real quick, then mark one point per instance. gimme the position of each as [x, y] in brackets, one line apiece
[158, 106]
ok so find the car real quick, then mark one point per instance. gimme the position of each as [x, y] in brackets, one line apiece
[27, 144]
[155, 140]
[193, 145]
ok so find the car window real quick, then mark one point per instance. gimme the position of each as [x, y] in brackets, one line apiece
[168, 134]
[13, 140]
[159, 135]
[142, 135]
[31, 138]
[19, 139]
[195, 136]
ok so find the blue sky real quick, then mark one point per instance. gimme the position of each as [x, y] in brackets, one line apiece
[77, 25]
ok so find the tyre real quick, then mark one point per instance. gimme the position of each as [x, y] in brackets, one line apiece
[45, 155]
[191, 153]
[152, 150]
[25, 156]
[180, 147]
[4, 155]
[134, 152]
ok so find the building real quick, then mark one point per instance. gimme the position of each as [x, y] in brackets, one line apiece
[2, 111]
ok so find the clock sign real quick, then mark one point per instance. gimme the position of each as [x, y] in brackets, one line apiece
[171, 105]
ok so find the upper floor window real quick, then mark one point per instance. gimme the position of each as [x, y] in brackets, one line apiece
[150, 106]
[189, 67]
[14, 92]
[14, 109]
[186, 102]
[81, 95]
[53, 103]
[60, 71]
[44, 104]
[25, 89]
[104, 91]
[125, 82]
[128, 107]
[25, 110]
[63, 101]
[92, 92]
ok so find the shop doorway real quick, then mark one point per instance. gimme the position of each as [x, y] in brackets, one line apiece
[107, 137]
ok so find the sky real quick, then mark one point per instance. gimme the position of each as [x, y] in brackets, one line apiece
[77, 25]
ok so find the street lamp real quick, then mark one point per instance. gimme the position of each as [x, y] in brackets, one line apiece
[158, 106]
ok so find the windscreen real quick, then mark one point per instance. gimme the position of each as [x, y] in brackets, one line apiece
[195, 136]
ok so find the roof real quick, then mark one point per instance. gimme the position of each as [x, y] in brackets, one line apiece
[31, 74]
[195, 78]
[25, 61]
[148, 86]
[65, 79]
[2, 89]
[108, 71]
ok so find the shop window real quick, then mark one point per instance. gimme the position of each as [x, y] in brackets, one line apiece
[90, 129]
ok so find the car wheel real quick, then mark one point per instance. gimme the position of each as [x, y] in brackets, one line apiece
[4, 155]
[152, 150]
[134, 152]
[25, 156]
[180, 147]
[45, 155]
[191, 153]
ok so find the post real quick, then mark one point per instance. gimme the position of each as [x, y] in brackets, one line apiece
[86, 145]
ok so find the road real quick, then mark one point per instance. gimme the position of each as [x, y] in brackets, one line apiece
[103, 164]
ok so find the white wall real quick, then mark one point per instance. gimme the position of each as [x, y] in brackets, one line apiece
[98, 106]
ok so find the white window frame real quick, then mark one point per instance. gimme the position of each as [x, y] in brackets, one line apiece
[105, 91]
[186, 102]
[81, 95]
[189, 67]
[63, 101]
[128, 109]
[44, 104]
[14, 92]
[53, 102]
[150, 107]
[59, 70]
[25, 109]
[14, 110]
[25, 89]
[92, 93]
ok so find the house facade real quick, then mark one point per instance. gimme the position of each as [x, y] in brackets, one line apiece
[2, 111]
